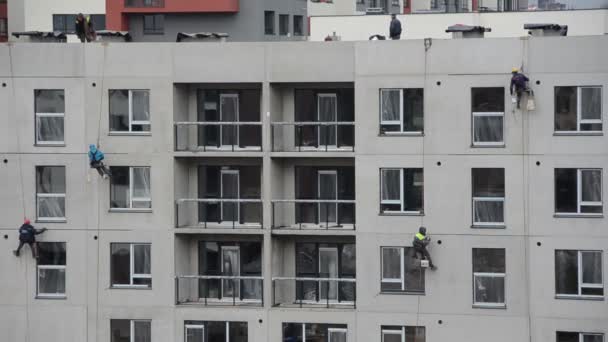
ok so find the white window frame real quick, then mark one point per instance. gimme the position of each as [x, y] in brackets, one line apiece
[488, 199]
[49, 115]
[579, 192]
[394, 122]
[133, 199]
[132, 274]
[488, 143]
[336, 330]
[132, 326]
[477, 275]
[582, 285]
[401, 192]
[401, 279]
[131, 121]
[197, 327]
[50, 195]
[400, 332]
[579, 112]
[237, 288]
[49, 295]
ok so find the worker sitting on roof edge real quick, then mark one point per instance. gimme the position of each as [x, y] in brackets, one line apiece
[27, 234]
[519, 83]
[84, 28]
[95, 160]
[421, 240]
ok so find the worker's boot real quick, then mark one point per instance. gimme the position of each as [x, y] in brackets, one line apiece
[433, 267]
[16, 252]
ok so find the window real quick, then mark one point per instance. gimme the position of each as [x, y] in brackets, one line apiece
[317, 332]
[129, 111]
[284, 24]
[402, 333]
[488, 116]
[578, 274]
[298, 25]
[566, 336]
[50, 112]
[401, 271]
[51, 270]
[67, 22]
[130, 188]
[401, 111]
[130, 263]
[131, 330]
[50, 193]
[268, 22]
[154, 24]
[578, 191]
[578, 109]
[3, 27]
[212, 331]
[489, 277]
[402, 191]
[488, 197]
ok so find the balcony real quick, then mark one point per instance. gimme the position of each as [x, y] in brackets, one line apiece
[313, 273]
[217, 118]
[144, 3]
[219, 272]
[312, 118]
[225, 195]
[324, 196]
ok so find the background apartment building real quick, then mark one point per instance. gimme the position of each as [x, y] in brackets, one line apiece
[271, 191]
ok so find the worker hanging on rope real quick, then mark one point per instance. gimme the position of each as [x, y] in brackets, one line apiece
[519, 84]
[27, 234]
[96, 161]
[421, 240]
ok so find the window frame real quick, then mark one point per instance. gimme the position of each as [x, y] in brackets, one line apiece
[474, 200]
[270, 31]
[475, 114]
[579, 277]
[476, 275]
[579, 193]
[4, 33]
[300, 19]
[132, 122]
[401, 117]
[579, 119]
[133, 199]
[40, 295]
[39, 195]
[401, 200]
[132, 274]
[40, 115]
[402, 270]
[154, 30]
[286, 33]
[132, 323]
[581, 335]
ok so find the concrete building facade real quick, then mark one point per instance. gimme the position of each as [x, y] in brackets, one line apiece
[292, 217]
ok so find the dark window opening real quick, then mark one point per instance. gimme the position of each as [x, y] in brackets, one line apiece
[268, 22]
[154, 24]
[284, 24]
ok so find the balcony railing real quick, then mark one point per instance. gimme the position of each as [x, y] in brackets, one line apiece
[219, 290]
[218, 213]
[218, 136]
[313, 214]
[314, 292]
[313, 136]
[144, 3]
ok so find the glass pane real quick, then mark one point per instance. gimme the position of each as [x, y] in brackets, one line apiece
[230, 190]
[216, 331]
[141, 105]
[195, 335]
[348, 260]
[391, 263]
[229, 112]
[391, 180]
[141, 182]
[414, 274]
[591, 103]
[59, 23]
[391, 337]
[566, 272]
[489, 260]
[413, 114]
[142, 281]
[268, 22]
[51, 253]
[390, 104]
[593, 338]
[51, 207]
[298, 25]
[306, 262]
[119, 187]
[488, 99]
[141, 261]
[413, 190]
[50, 179]
[121, 330]
[487, 129]
[565, 108]
[283, 24]
[120, 263]
[119, 110]
[488, 182]
[337, 336]
[49, 129]
[251, 258]
[488, 211]
[51, 281]
[565, 191]
[328, 191]
[592, 267]
[315, 332]
[328, 268]
[143, 331]
[50, 101]
[592, 291]
[489, 289]
[292, 332]
[230, 267]
[327, 107]
[591, 185]
[238, 332]
[415, 334]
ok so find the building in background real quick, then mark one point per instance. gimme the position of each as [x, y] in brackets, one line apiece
[251, 20]
[266, 192]
[45, 15]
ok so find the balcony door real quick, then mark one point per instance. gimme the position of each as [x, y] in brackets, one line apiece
[327, 182]
[328, 268]
[327, 111]
[229, 189]
[195, 333]
[229, 112]
[231, 257]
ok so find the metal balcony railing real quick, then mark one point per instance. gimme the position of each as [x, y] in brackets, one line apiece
[144, 3]
[313, 136]
[313, 291]
[218, 213]
[219, 290]
[218, 136]
[313, 214]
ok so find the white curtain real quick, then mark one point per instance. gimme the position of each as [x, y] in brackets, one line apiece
[141, 105]
[489, 211]
[489, 289]
[50, 129]
[592, 185]
[143, 331]
[592, 267]
[391, 182]
[488, 128]
[390, 105]
[591, 103]
[141, 187]
[51, 207]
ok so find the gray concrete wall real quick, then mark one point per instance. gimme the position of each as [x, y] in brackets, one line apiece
[86, 72]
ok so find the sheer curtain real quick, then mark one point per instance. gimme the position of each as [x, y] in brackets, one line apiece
[327, 113]
[391, 180]
[143, 331]
[591, 103]
[141, 187]
[50, 129]
[51, 191]
[390, 105]
[488, 129]
[592, 267]
[592, 185]
[141, 259]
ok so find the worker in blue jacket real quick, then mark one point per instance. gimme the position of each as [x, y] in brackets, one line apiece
[96, 161]
[519, 84]
[27, 234]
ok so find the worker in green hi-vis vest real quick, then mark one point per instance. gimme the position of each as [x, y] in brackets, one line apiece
[421, 240]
